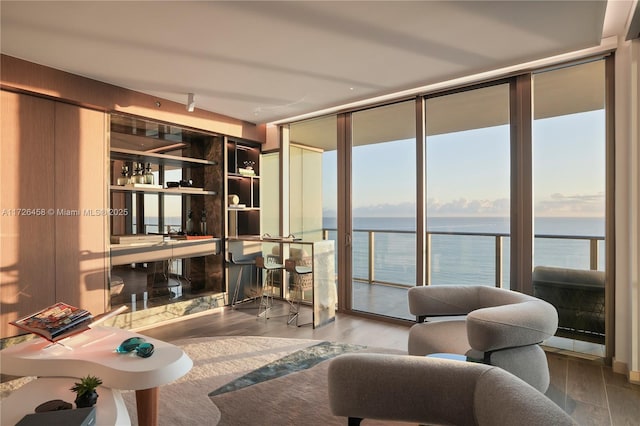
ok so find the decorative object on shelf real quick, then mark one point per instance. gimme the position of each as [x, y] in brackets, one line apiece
[190, 223]
[203, 223]
[181, 184]
[246, 172]
[248, 165]
[148, 176]
[85, 389]
[233, 199]
[138, 177]
[124, 178]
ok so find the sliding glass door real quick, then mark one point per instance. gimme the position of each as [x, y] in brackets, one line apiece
[468, 187]
[383, 199]
[569, 180]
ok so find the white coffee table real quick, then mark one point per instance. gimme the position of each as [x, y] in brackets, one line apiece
[110, 408]
[93, 352]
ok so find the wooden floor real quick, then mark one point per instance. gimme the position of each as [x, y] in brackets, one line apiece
[589, 391]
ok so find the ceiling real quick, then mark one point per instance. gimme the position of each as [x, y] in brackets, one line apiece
[269, 61]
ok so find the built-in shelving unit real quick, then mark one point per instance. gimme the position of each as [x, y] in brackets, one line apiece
[183, 201]
[243, 181]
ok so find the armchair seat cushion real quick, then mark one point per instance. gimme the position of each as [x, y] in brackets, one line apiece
[448, 336]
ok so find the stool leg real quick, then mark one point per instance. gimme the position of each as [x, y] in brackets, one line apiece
[236, 291]
[293, 311]
[264, 298]
[298, 311]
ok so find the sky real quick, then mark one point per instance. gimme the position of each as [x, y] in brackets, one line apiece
[468, 172]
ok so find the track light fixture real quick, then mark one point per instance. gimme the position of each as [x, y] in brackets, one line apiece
[191, 102]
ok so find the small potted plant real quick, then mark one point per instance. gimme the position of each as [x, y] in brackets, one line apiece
[86, 395]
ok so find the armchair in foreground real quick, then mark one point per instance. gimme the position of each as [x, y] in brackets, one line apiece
[490, 325]
[435, 391]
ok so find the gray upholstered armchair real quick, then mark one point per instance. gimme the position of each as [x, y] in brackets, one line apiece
[435, 391]
[494, 326]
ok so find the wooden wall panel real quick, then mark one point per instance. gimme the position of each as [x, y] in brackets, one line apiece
[27, 264]
[81, 205]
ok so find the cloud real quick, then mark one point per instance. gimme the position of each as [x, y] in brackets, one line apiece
[557, 205]
[464, 207]
[405, 209]
[571, 205]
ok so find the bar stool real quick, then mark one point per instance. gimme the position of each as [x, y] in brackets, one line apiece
[269, 265]
[301, 281]
[167, 281]
[236, 291]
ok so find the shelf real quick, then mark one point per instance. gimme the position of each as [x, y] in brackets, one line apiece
[241, 176]
[185, 191]
[243, 209]
[150, 157]
[124, 254]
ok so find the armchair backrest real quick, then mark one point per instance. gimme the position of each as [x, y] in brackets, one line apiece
[496, 318]
[435, 391]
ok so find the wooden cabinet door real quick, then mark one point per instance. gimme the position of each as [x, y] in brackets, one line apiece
[27, 232]
[53, 207]
[81, 205]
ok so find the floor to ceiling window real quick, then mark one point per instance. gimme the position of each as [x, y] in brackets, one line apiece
[313, 181]
[383, 213]
[477, 183]
[569, 147]
[468, 187]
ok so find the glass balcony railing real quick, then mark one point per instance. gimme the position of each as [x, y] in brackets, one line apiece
[388, 256]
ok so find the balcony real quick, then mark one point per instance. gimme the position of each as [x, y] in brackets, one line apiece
[384, 265]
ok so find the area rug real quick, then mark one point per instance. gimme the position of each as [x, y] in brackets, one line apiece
[217, 361]
[251, 380]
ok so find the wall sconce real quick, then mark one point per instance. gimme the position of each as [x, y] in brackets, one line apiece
[191, 102]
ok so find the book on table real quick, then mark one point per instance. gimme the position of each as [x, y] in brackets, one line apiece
[56, 322]
[73, 417]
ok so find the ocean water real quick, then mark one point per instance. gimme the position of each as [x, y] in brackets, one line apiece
[458, 258]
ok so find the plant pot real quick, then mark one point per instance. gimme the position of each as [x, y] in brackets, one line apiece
[87, 399]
